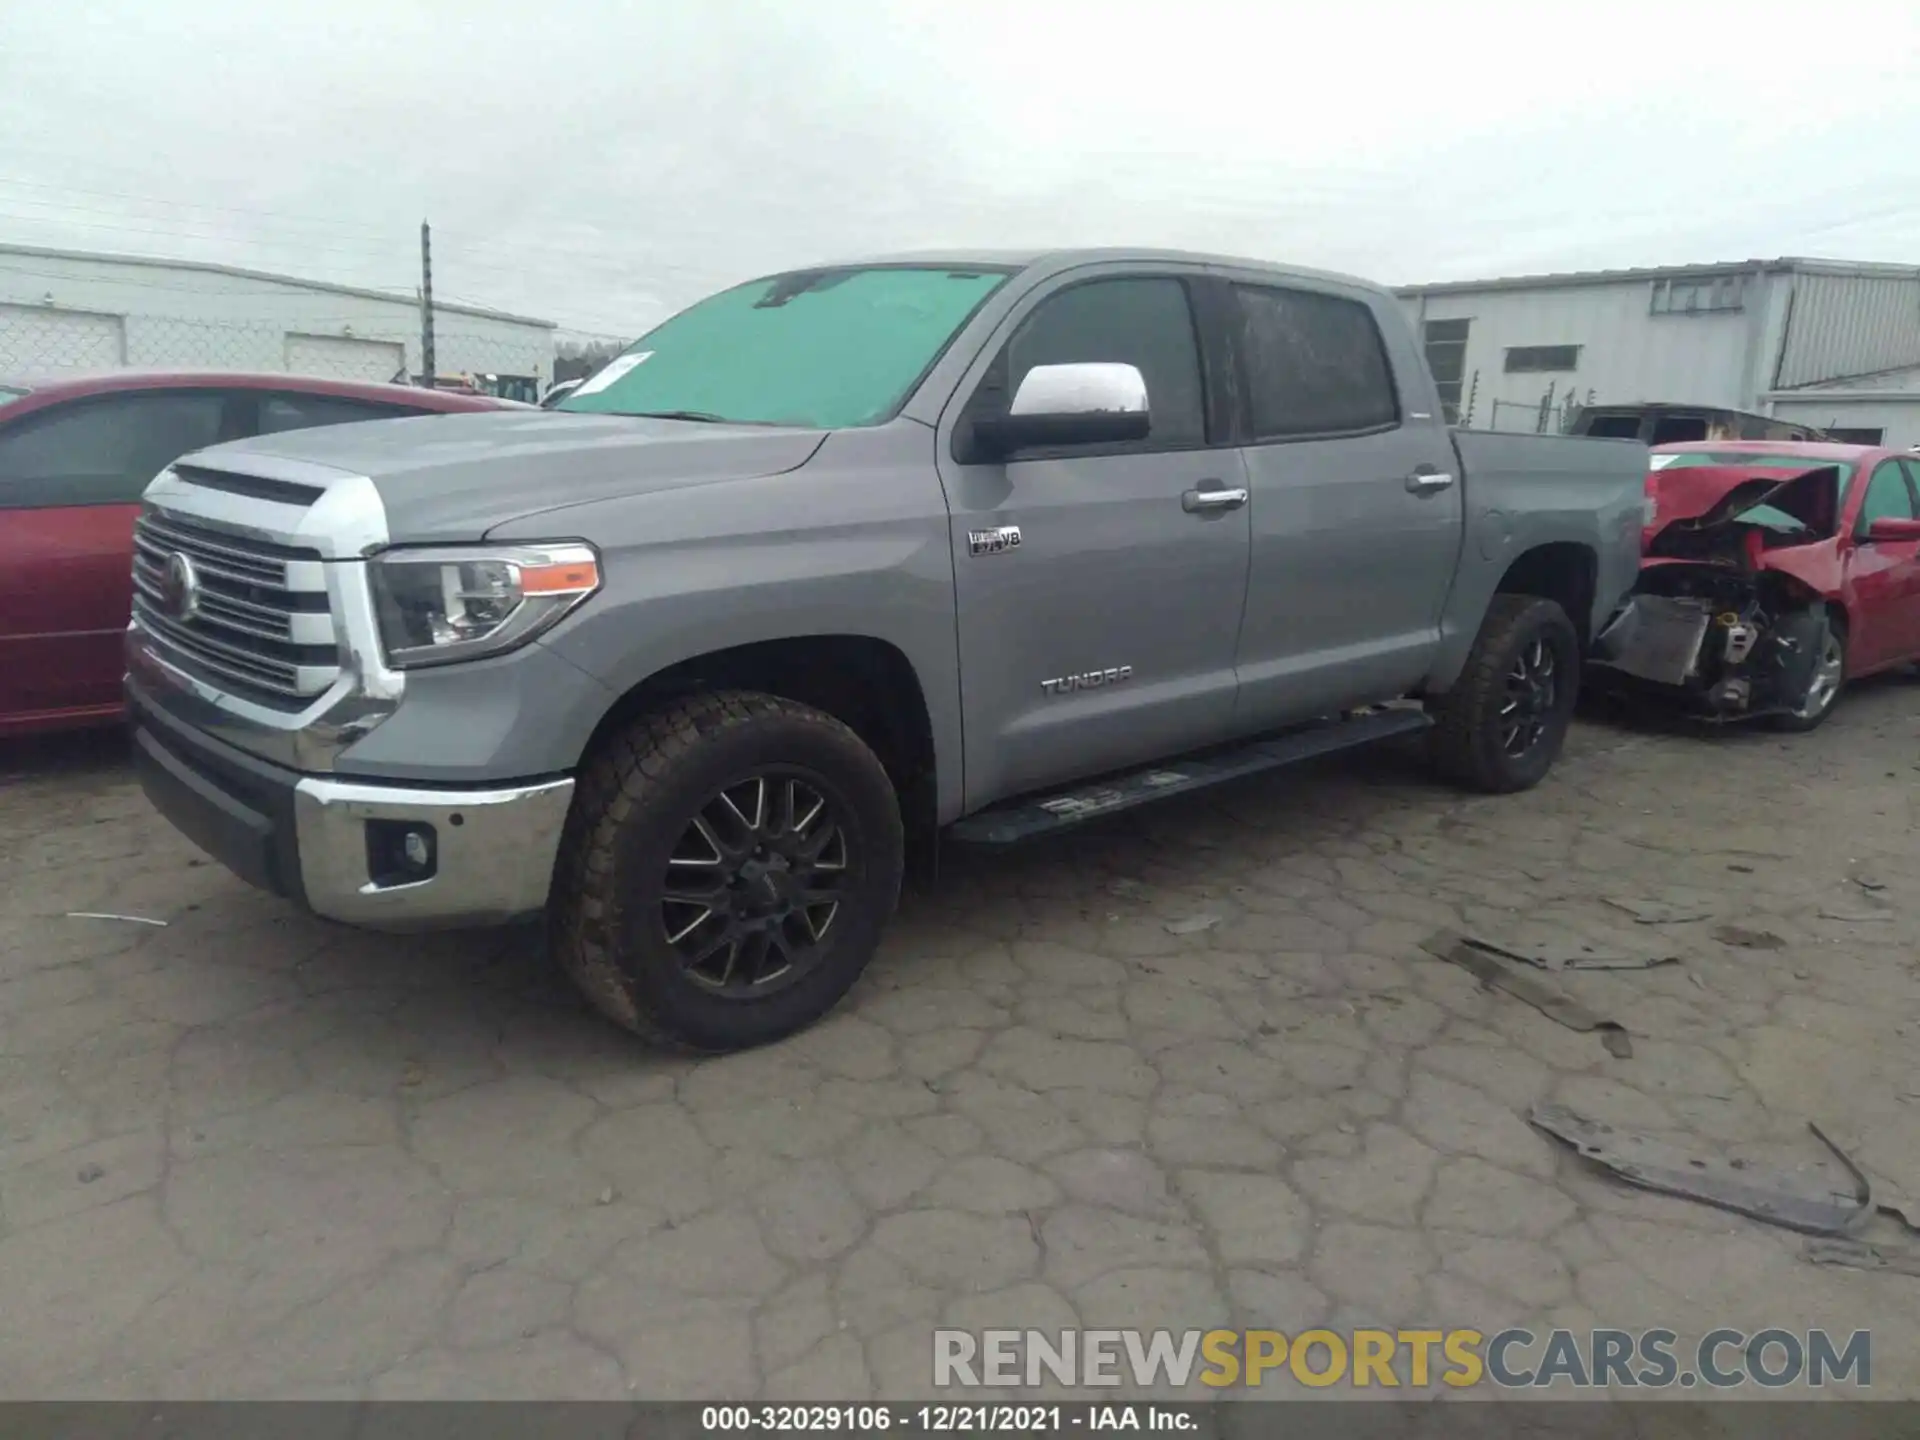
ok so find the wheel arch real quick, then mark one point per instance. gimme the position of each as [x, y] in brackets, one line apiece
[867, 683]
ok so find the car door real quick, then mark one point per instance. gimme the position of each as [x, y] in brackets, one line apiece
[1883, 576]
[1105, 635]
[1357, 510]
[71, 476]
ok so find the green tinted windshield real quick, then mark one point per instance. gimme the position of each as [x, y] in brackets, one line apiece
[824, 349]
[9, 394]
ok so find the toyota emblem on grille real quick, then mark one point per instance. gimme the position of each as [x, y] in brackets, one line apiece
[180, 588]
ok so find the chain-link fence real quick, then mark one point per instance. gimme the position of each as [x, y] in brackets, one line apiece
[45, 341]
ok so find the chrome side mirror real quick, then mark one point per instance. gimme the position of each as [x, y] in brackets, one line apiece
[1093, 403]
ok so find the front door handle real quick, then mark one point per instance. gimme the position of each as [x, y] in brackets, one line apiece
[1200, 502]
[1428, 481]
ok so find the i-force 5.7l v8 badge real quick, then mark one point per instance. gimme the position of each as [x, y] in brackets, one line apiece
[993, 542]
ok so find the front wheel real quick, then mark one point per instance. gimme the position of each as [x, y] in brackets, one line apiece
[1829, 678]
[727, 871]
[1501, 726]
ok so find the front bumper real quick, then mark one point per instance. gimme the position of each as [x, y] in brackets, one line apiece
[335, 846]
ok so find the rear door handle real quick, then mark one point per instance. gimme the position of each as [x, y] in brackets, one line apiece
[1200, 502]
[1428, 481]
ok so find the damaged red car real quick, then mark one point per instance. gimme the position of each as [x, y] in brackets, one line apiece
[1772, 572]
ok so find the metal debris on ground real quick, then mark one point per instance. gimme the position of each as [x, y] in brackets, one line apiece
[1858, 1255]
[1662, 912]
[1772, 1196]
[102, 915]
[1891, 1169]
[1492, 969]
[1742, 938]
[1192, 925]
[1546, 948]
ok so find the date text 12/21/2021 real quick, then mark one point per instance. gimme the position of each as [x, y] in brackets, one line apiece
[881, 1419]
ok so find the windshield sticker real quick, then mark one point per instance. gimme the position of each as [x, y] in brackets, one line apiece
[610, 372]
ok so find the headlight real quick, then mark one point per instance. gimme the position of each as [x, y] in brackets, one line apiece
[437, 606]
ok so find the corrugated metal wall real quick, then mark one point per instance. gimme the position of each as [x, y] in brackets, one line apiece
[1626, 354]
[1849, 325]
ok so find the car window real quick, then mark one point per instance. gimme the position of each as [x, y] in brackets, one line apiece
[1315, 364]
[103, 451]
[1888, 496]
[1143, 322]
[299, 412]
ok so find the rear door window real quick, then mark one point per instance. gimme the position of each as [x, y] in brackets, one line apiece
[1315, 364]
[104, 450]
[291, 411]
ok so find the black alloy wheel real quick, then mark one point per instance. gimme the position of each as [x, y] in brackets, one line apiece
[1532, 698]
[755, 884]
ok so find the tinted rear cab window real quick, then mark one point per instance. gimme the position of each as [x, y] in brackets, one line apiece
[1315, 364]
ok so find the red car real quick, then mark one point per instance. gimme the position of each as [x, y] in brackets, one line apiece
[75, 454]
[1772, 573]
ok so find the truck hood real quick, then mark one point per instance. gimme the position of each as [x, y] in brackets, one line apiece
[455, 477]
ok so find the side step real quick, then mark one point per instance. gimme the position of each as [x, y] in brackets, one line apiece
[1026, 819]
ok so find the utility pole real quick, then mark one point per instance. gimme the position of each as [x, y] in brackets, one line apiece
[426, 306]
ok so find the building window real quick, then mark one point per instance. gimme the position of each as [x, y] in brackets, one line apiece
[1855, 434]
[1542, 359]
[1705, 296]
[1446, 344]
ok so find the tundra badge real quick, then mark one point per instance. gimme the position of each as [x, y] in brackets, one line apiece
[1091, 680]
[993, 542]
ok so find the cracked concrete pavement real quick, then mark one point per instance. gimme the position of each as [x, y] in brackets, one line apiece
[1192, 1069]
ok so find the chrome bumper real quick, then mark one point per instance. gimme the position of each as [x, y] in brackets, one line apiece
[338, 847]
[492, 850]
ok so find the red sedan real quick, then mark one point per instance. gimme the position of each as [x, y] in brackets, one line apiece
[1773, 572]
[75, 454]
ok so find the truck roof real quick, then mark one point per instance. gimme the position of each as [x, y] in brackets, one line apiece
[1054, 261]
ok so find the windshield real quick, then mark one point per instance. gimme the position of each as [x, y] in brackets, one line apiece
[10, 393]
[1764, 515]
[826, 349]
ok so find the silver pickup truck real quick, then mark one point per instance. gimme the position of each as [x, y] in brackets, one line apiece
[829, 565]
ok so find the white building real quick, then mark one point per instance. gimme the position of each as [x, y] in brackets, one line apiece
[1826, 343]
[64, 310]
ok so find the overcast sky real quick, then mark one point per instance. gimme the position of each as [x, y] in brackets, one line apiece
[602, 163]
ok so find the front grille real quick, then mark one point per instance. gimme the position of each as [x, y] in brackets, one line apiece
[262, 627]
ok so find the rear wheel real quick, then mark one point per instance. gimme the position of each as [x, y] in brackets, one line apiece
[727, 872]
[1502, 725]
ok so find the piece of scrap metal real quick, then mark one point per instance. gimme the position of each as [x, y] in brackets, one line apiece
[1858, 1255]
[1548, 948]
[1492, 968]
[1663, 912]
[1732, 1185]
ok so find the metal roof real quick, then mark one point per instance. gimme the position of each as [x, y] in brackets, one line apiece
[213, 268]
[1780, 265]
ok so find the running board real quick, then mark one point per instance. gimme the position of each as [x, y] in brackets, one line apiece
[1026, 819]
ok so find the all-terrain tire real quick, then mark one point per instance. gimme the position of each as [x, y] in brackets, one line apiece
[1469, 741]
[636, 799]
